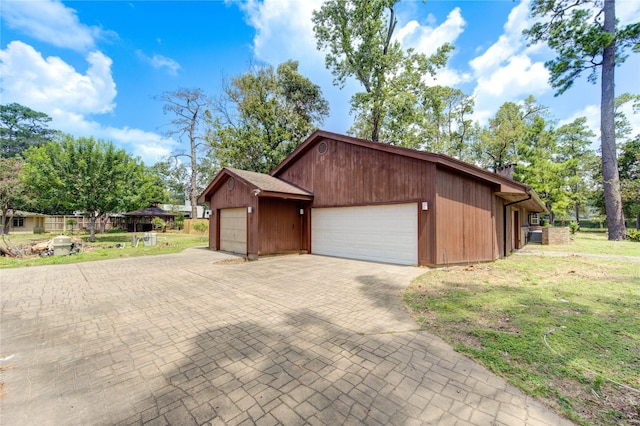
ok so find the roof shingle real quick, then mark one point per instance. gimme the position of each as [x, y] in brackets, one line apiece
[267, 183]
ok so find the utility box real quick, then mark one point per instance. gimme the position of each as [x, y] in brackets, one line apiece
[61, 245]
[150, 239]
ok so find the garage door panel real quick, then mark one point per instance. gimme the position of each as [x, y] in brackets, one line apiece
[382, 233]
[233, 230]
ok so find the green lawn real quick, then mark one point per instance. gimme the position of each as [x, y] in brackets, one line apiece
[105, 247]
[593, 243]
[564, 329]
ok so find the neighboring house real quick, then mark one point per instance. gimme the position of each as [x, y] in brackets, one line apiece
[184, 209]
[341, 196]
[21, 222]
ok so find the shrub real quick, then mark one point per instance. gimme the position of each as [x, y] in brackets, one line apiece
[574, 227]
[200, 227]
[71, 223]
[180, 220]
[633, 235]
[158, 223]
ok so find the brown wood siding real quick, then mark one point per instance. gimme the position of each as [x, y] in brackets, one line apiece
[280, 226]
[351, 175]
[213, 230]
[499, 226]
[465, 216]
[239, 196]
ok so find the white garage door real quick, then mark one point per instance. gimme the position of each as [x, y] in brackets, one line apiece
[386, 233]
[233, 230]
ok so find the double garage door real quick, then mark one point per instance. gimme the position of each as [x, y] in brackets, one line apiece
[381, 233]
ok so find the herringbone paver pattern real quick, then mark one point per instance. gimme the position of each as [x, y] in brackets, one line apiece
[180, 340]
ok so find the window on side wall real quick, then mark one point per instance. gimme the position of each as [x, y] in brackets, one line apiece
[534, 219]
[18, 222]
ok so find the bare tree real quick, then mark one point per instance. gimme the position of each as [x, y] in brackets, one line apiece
[190, 107]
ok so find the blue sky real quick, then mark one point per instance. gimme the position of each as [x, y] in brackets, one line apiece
[98, 67]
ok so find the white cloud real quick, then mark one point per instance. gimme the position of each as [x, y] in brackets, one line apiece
[427, 39]
[52, 22]
[634, 119]
[505, 71]
[284, 31]
[50, 83]
[510, 42]
[54, 87]
[149, 146]
[518, 76]
[160, 62]
[283, 28]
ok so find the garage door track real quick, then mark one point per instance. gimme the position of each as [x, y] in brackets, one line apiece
[186, 339]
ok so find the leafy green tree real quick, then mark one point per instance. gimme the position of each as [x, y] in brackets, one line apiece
[574, 140]
[190, 108]
[87, 175]
[629, 163]
[71, 223]
[358, 38]
[264, 115]
[540, 168]
[587, 38]
[450, 129]
[13, 192]
[501, 143]
[22, 127]
[625, 160]
[174, 177]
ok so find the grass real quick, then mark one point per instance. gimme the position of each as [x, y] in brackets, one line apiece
[594, 243]
[105, 247]
[561, 329]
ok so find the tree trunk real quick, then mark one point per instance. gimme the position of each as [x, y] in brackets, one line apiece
[4, 222]
[193, 193]
[103, 223]
[610, 175]
[92, 228]
[375, 123]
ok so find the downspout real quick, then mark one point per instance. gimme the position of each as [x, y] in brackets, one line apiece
[504, 221]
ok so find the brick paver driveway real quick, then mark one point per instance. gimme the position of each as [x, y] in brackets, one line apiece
[180, 339]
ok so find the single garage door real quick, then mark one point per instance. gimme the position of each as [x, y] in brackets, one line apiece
[233, 230]
[384, 233]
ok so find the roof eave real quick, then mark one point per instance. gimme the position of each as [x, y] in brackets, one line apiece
[285, 195]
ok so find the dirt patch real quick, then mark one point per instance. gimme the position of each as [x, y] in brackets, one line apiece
[234, 261]
[609, 398]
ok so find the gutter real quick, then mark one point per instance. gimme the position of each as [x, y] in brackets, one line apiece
[504, 220]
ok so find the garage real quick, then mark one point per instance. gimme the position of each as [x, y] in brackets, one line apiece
[381, 233]
[233, 230]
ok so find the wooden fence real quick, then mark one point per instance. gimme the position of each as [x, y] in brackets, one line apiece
[58, 224]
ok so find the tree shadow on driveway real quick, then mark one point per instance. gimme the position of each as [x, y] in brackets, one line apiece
[302, 370]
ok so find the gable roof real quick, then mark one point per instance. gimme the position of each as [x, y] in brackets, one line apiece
[509, 189]
[439, 159]
[262, 184]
